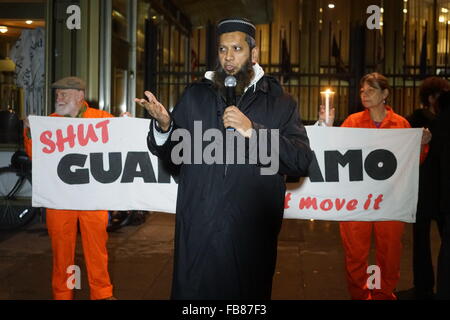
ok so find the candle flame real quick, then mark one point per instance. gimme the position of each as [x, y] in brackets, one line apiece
[328, 92]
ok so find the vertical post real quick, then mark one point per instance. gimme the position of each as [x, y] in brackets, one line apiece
[132, 22]
[198, 49]
[179, 69]
[270, 48]
[374, 51]
[339, 79]
[415, 67]
[446, 49]
[435, 35]
[309, 69]
[151, 59]
[319, 50]
[73, 54]
[291, 50]
[384, 51]
[260, 47]
[105, 56]
[280, 55]
[90, 52]
[395, 67]
[299, 37]
[405, 65]
[187, 62]
[169, 68]
[48, 56]
[160, 58]
[210, 46]
[329, 53]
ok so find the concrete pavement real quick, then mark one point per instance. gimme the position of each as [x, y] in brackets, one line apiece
[310, 263]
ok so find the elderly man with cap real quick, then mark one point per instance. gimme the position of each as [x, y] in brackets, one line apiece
[228, 216]
[62, 224]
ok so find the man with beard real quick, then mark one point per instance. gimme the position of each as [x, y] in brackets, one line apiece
[63, 224]
[228, 216]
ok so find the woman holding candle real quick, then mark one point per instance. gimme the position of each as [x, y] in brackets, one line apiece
[356, 235]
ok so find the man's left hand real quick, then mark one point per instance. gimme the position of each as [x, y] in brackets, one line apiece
[234, 118]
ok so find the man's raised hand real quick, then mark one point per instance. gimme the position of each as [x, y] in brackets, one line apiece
[155, 109]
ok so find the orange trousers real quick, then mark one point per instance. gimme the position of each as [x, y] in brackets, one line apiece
[62, 227]
[356, 239]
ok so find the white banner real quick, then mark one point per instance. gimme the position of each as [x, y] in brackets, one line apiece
[378, 182]
[104, 164]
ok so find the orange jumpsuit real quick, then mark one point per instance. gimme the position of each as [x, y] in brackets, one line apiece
[62, 228]
[356, 235]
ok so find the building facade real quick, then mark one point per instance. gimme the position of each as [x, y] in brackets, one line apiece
[123, 47]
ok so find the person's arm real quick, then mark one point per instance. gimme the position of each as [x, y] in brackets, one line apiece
[160, 136]
[159, 142]
[163, 125]
[27, 143]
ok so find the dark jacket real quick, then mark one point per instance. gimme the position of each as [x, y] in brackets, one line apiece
[426, 206]
[228, 216]
[421, 118]
[434, 187]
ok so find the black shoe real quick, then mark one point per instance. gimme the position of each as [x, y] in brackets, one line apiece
[415, 294]
[118, 220]
[138, 217]
[420, 294]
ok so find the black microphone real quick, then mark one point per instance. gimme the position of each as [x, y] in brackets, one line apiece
[230, 91]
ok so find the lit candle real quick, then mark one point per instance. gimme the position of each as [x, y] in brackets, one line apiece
[327, 96]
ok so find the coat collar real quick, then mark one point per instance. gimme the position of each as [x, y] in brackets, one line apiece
[258, 74]
[262, 82]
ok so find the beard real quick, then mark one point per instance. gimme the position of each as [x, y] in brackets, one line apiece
[64, 109]
[243, 77]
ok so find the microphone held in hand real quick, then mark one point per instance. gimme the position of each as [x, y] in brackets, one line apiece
[230, 87]
[230, 91]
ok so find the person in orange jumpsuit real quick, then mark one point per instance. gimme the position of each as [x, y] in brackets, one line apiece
[62, 224]
[356, 235]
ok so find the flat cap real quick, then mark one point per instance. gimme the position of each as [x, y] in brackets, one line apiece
[236, 24]
[69, 83]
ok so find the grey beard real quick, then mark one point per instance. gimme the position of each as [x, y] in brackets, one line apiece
[67, 109]
[243, 77]
[63, 110]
